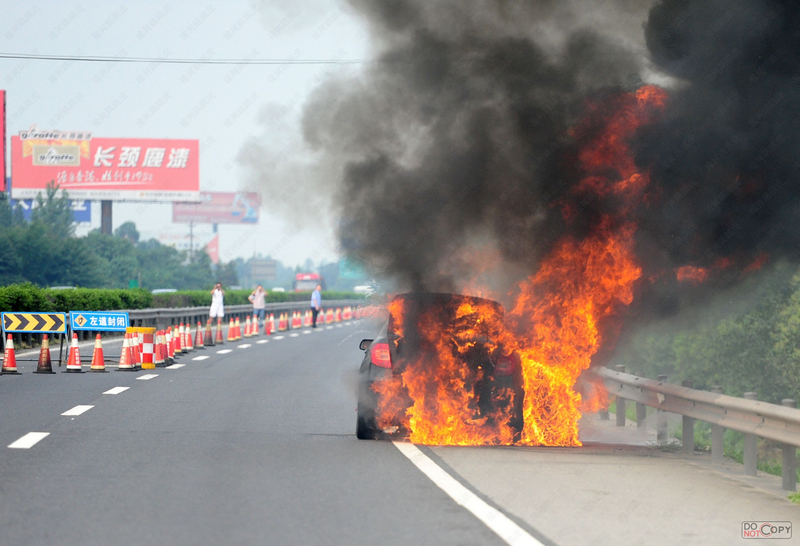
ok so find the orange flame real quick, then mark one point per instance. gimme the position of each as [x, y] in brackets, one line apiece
[692, 274]
[556, 322]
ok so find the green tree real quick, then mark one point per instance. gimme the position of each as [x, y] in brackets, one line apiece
[128, 231]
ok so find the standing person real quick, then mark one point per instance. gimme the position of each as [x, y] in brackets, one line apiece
[316, 303]
[259, 306]
[217, 307]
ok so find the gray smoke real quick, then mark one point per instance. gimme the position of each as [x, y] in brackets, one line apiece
[453, 147]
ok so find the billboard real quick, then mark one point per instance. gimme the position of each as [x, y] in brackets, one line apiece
[115, 169]
[81, 210]
[3, 135]
[219, 208]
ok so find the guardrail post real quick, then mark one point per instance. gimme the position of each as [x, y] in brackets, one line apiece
[620, 401]
[750, 445]
[717, 436]
[688, 425]
[641, 409]
[661, 418]
[788, 457]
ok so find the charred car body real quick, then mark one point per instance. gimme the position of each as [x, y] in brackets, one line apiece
[423, 331]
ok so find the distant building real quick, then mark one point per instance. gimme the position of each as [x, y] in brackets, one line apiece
[260, 271]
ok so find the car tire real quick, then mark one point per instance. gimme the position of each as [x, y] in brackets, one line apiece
[365, 427]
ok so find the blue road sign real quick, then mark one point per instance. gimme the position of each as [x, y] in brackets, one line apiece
[81, 210]
[99, 321]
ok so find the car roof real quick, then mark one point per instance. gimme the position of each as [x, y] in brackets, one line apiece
[443, 298]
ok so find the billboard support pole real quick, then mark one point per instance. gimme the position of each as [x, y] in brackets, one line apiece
[105, 217]
[191, 242]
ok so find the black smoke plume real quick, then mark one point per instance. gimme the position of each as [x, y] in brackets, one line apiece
[458, 135]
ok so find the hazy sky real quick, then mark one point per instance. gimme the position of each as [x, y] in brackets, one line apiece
[222, 106]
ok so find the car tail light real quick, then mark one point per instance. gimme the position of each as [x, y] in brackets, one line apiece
[379, 355]
[506, 364]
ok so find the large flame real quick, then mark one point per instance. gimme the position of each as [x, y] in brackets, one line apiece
[555, 324]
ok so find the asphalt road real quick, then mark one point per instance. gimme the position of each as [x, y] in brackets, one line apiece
[253, 443]
[255, 446]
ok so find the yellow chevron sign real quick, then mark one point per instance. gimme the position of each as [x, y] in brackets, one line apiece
[42, 323]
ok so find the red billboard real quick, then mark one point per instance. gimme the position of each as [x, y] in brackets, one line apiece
[115, 169]
[3, 135]
[219, 208]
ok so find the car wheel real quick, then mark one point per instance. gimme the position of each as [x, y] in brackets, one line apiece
[365, 426]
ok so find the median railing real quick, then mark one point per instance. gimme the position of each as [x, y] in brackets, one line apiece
[754, 418]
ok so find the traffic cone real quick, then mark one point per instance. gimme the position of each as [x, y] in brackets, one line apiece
[199, 342]
[125, 357]
[238, 330]
[10, 358]
[208, 337]
[98, 360]
[269, 326]
[247, 326]
[44, 365]
[136, 355]
[178, 335]
[254, 330]
[158, 353]
[74, 360]
[170, 346]
[220, 340]
[321, 317]
[231, 330]
[189, 346]
[338, 316]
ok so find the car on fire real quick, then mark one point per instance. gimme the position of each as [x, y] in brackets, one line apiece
[425, 329]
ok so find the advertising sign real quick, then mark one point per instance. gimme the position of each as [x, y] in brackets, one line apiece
[98, 321]
[219, 208]
[115, 169]
[3, 136]
[81, 210]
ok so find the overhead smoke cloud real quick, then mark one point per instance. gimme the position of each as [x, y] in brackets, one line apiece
[452, 144]
[452, 152]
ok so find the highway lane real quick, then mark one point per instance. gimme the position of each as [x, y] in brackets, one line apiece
[254, 446]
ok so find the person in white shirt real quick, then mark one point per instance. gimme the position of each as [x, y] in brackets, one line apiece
[217, 307]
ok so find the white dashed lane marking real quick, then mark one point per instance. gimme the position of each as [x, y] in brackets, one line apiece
[204, 357]
[224, 351]
[262, 341]
[244, 346]
[278, 337]
[294, 335]
[176, 366]
[148, 376]
[306, 331]
[77, 410]
[29, 440]
[116, 390]
[329, 327]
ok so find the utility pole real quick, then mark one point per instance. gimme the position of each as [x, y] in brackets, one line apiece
[191, 242]
[105, 217]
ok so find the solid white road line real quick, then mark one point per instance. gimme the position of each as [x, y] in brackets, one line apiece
[204, 357]
[29, 440]
[148, 376]
[77, 410]
[175, 366]
[116, 390]
[495, 520]
[262, 341]
[278, 337]
[294, 335]
[224, 351]
[244, 345]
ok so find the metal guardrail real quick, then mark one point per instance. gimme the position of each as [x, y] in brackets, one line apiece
[748, 415]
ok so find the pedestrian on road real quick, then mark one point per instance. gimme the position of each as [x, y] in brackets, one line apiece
[217, 308]
[316, 303]
[259, 306]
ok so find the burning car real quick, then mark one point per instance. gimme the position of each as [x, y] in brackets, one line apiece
[441, 355]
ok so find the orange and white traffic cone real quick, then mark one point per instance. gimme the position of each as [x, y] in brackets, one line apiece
[74, 360]
[219, 340]
[208, 337]
[269, 326]
[247, 326]
[178, 335]
[238, 329]
[10, 358]
[125, 357]
[231, 330]
[158, 352]
[189, 346]
[198, 340]
[45, 365]
[171, 355]
[254, 330]
[98, 360]
[136, 351]
[320, 316]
